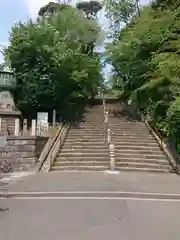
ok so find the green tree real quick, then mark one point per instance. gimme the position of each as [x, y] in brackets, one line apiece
[146, 54]
[90, 8]
[120, 13]
[51, 66]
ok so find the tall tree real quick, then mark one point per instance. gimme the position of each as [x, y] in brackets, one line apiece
[146, 53]
[90, 8]
[52, 70]
[120, 13]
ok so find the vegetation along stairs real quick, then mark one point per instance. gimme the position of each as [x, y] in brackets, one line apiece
[136, 149]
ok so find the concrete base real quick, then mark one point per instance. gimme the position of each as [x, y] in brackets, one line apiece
[112, 172]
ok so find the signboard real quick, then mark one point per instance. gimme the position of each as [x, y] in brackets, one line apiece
[42, 116]
[42, 119]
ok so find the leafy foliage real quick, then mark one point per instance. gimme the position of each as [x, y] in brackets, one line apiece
[53, 67]
[146, 53]
[90, 8]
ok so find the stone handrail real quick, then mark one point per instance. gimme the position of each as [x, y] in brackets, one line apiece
[107, 140]
[52, 148]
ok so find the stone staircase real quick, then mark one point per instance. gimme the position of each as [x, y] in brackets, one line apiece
[135, 147]
[84, 147]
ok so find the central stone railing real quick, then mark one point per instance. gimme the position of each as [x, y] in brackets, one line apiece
[107, 137]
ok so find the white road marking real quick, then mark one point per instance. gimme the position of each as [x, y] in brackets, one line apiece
[112, 172]
[94, 192]
[94, 198]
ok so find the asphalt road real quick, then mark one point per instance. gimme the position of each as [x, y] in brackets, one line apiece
[89, 219]
[94, 216]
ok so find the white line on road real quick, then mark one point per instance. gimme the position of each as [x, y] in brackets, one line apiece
[91, 192]
[94, 198]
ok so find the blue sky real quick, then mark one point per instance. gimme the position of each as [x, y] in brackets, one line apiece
[11, 11]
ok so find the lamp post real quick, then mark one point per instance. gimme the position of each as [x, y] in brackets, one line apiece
[7, 85]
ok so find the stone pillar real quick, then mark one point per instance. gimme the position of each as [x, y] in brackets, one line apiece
[109, 136]
[33, 127]
[17, 127]
[24, 126]
[112, 157]
[39, 128]
[106, 118]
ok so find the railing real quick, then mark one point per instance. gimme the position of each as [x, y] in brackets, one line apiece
[107, 139]
[52, 148]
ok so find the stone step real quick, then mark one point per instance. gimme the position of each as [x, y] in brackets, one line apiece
[86, 141]
[81, 163]
[127, 126]
[85, 150]
[86, 134]
[132, 138]
[128, 144]
[114, 134]
[84, 145]
[101, 161]
[135, 169]
[121, 146]
[118, 151]
[125, 122]
[80, 130]
[142, 165]
[113, 138]
[142, 160]
[149, 159]
[79, 168]
[144, 156]
[148, 147]
[104, 168]
[138, 151]
[118, 156]
[81, 158]
[83, 154]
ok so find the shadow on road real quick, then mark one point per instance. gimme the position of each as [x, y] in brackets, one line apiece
[4, 209]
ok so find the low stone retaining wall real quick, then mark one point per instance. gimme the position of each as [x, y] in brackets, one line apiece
[22, 152]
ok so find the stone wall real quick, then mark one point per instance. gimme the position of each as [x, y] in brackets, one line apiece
[7, 122]
[23, 152]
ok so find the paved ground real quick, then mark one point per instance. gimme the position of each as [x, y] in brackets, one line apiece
[98, 181]
[92, 218]
[11, 178]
